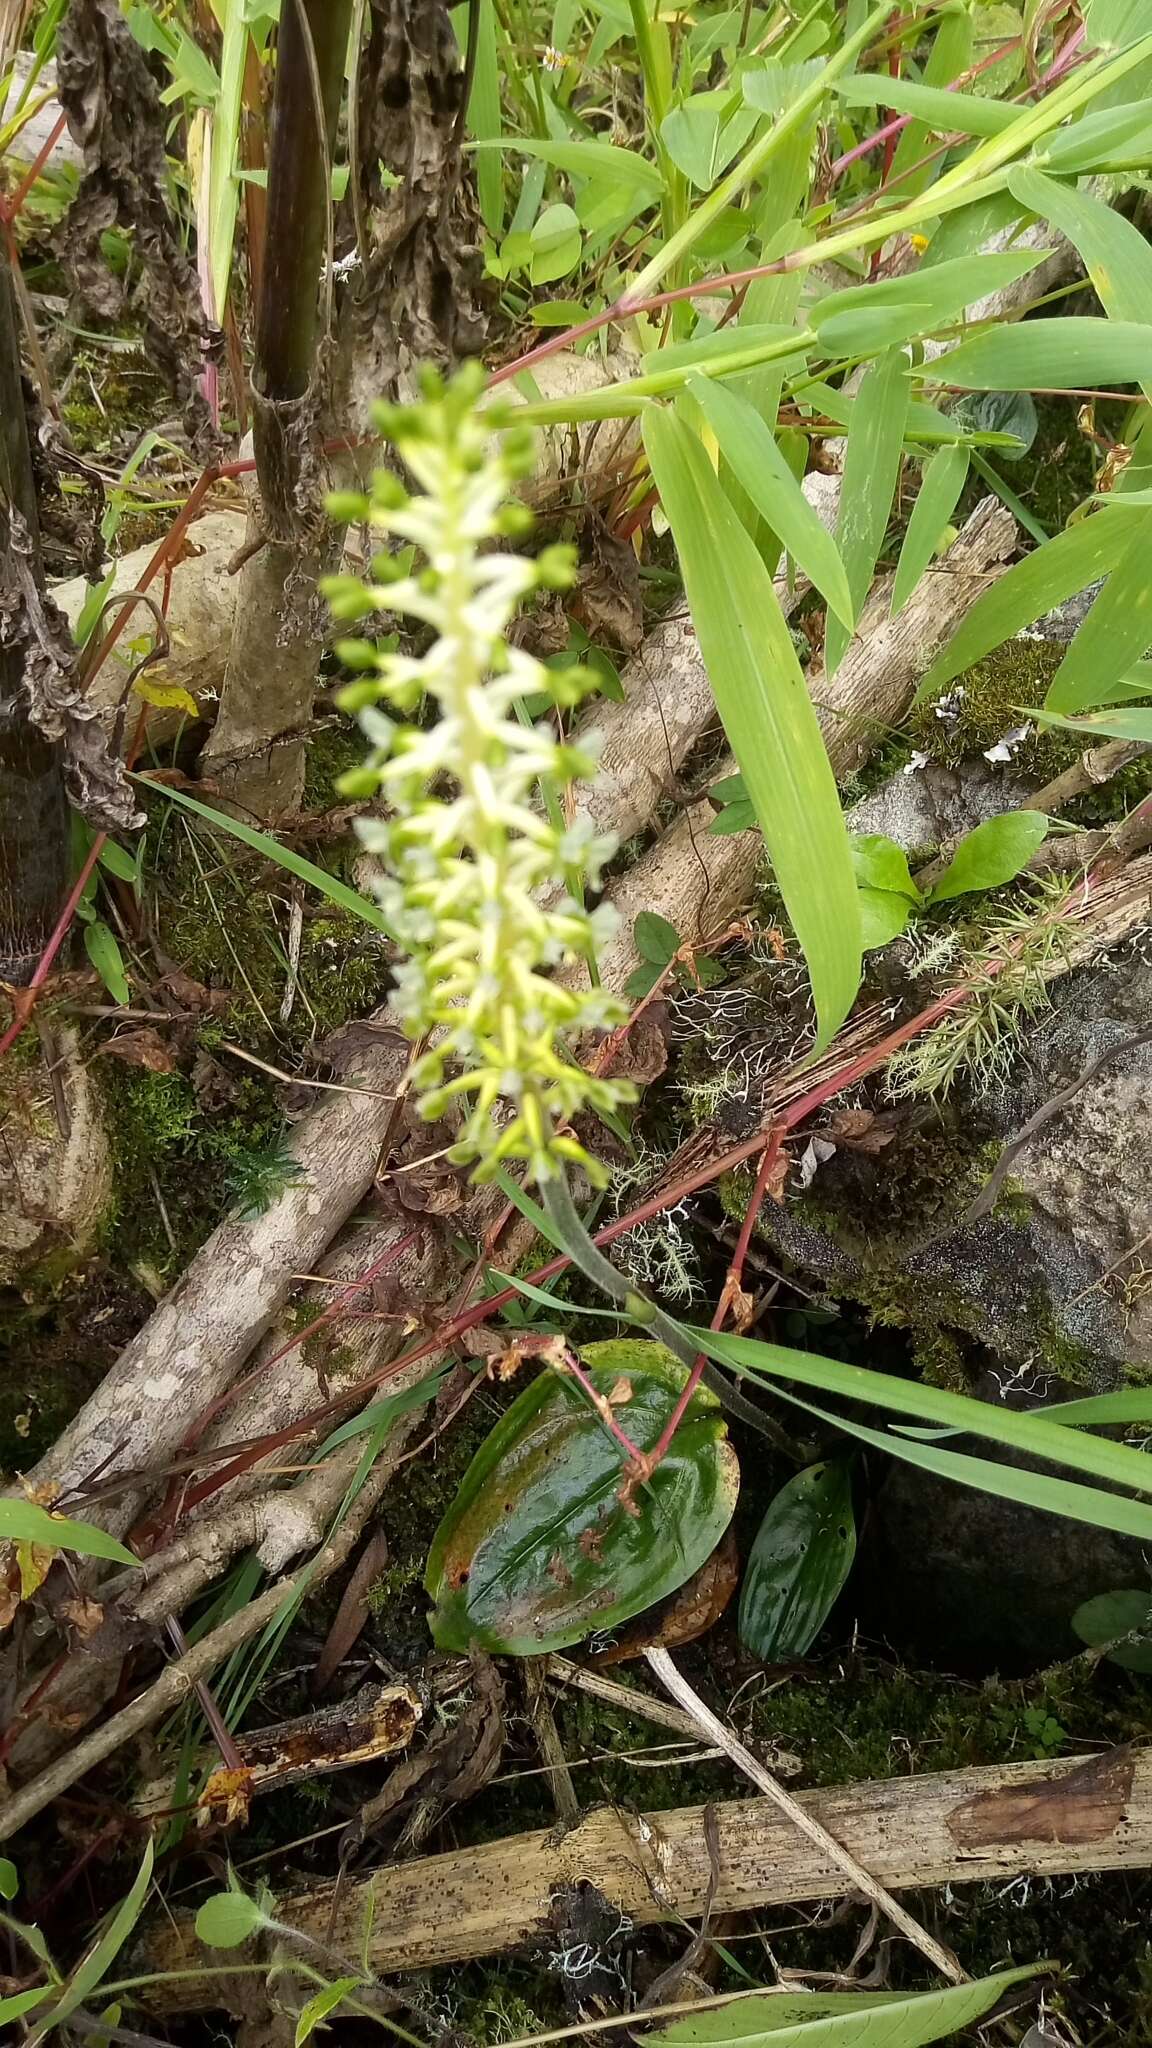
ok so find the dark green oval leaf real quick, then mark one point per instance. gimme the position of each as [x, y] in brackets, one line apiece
[801, 1557]
[1110, 1617]
[656, 939]
[537, 1550]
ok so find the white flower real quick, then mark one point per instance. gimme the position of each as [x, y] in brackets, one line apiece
[468, 851]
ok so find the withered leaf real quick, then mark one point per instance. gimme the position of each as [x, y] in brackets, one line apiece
[114, 114]
[691, 1612]
[215, 1088]
[641, 1055]
[607, 600]
[141, 1048]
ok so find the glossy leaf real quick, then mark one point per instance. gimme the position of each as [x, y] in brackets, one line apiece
[537, 1551]
[798, 1563]
[1115, 633]
[843, 2019]
[22, 1521]
[1034, 354]
[871, 467]
[1110, 1616]
[227, 1919]
[763, 700]
[1002, 414]
[1064, 565]
[991, 854]
[940, 487]
[750, 450]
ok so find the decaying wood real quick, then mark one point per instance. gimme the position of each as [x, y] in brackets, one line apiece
[191, 1346]
[991, 1822]
[809, 1825]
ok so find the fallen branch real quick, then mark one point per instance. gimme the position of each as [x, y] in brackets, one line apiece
[997, 1822]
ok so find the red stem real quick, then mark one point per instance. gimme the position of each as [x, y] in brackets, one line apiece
[10, 208]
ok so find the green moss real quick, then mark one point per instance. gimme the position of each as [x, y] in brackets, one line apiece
[333, 746]
[995, 692]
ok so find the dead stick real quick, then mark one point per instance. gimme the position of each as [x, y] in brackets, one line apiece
[181, 1677]
[861, 1879]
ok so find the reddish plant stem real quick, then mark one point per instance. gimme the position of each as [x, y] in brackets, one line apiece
[731, 1289]
[10, 208]
[24, 1000]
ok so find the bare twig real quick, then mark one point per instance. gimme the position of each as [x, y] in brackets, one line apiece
[862, 1880]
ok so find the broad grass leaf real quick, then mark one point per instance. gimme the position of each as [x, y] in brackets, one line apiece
[1115, 135]
[1116, 256]
[103, 950]
[767, 713]
[1064, 565]
[22, 1521]
[942, 290]
[940, 487]
[844, 2019]
[951, 54]
[801, 1556]
[537, 1551]
[945, 112]
[1115, 724]
[1114, 634]
[484, 120]
[600, 160]
[991, 854]
[1067, 353]
[749, 448]
[871, 467]
[1032, 1433]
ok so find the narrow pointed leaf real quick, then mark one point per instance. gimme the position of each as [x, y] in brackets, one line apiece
[23, 1521]
[1117, 1464]
[1056, 571]
[749, 448]
[940, 487]
[944, 290]
[484, 119]
[946, 112]
[871, 467]
[1069, 354]
[1114, 634]
[767, 713]
[1117, 724]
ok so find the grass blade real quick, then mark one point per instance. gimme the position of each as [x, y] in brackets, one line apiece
[767, 713]
[484, 120]
[1117, 1464]
[1056, 571]
[262, 842]
[940, 487]
[1116, 256]
[946, 113]
[871, 467]
[749, 448]
[1067, 353]
[1115, 633]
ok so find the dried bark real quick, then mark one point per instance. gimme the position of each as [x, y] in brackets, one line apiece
[114, 113]
[991, 1822]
